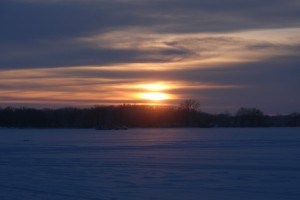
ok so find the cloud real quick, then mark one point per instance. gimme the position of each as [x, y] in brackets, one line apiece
[29, 20]
[141, 46]
[64, 54]
[250, 47]
[54, 33]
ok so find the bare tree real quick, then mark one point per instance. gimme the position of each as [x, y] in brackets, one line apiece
[189, 108]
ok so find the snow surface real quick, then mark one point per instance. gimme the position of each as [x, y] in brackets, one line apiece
[142, 164]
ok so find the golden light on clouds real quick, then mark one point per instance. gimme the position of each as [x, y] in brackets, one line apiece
[68, 86]
[154, 86]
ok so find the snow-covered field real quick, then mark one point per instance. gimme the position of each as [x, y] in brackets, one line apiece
[142, 164]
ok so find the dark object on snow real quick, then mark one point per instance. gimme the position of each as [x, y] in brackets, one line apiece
[111, 128]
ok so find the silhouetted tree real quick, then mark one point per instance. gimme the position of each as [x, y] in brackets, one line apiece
[249, 117]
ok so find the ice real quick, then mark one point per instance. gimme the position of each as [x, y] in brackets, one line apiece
[158, 164]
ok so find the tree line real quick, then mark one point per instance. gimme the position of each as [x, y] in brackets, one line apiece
[187, 114]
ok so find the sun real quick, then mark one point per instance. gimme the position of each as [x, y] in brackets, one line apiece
[153, 91]
[155, 96]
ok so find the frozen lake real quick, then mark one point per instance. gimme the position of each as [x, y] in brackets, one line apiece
[144, 164]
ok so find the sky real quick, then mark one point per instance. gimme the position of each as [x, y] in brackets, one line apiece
[225, 53]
